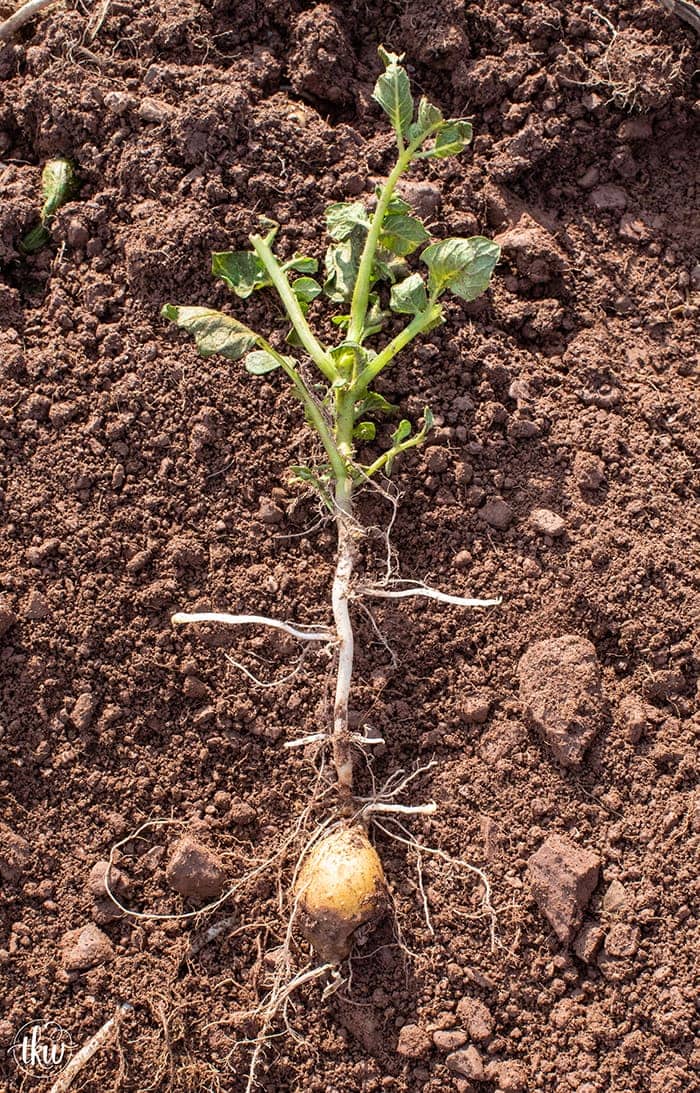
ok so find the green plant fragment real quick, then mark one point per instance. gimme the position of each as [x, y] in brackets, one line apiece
[365, 430]
[450, 140]
[402, 432]
[462, 265]
[213, 331]
[409, 297]
[260, 362]
[241, 270]
[343, 217]
[393, 93]
[429, 118]
[402, 234]
[306, 290]
[300, 263]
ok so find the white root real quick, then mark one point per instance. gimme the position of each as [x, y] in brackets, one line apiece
[65, 1079]
[424, 590]
[181, 617]
[22, 16]
[342, 749]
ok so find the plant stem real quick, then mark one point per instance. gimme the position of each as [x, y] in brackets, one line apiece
[306, 336]
[418, 323]
[360, 296]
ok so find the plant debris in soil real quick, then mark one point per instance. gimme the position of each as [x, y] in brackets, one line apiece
[139, 479]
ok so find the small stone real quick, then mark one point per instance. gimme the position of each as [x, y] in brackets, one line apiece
[85, 948]
[35, 606]
[77, 234]
[15, 855]
[270, 513]
[118, 476]
[7, 618]
[463, 559]
[193, 687]
[497, 514]
[118, 102]
[96, 882]
[608, 198]
[563, 877]
[154, 111]
[622, 941]
[414, 1042]
[467, 1062]
[509, 1077]
[476, 1018]
[449, 1039]
[195, 871]
[635, 129]
[589, 471]
[83, 711]
[546, 522]
[475, 709]
[588, 940]
[560, 689]
[615, 896]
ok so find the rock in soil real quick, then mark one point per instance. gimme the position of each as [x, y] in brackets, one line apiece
[414, 1042]
[195, 871]
[476, 1018]
[560, 689]
[546, 522]
[15, 854]
[563, 877]
[468, 1063]
[85, 948]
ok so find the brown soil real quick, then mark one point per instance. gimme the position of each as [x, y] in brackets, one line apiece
[136, 475]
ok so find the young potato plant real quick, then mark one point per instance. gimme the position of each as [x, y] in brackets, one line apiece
[340, 884]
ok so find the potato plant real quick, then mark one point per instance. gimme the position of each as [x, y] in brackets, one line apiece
[371, 284]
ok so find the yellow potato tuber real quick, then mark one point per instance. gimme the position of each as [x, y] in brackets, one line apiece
[340, 887]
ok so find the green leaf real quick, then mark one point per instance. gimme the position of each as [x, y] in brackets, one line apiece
[342, 263]
[409, 297]
[428, 420]
[393, 93]
[450, 140]
[403, 431]
[35, 239]
[374, 319]
[374, 403]
[58, 184]
[241, 270]
[388, 267]
[260, 362]
[402, 234]
[347, 355]
[306, 290]
[396, 203]
[429, 117]
[343, 217]
[462, 265]
[341, 320]
[301, 264]
[365, 430]
[213, 331]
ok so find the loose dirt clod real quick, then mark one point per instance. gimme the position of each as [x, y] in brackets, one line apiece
[563, 877]
[195, 871]
[15, 855]
[560, 689]
[85, 948]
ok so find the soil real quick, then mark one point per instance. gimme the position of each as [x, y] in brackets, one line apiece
[139, 479]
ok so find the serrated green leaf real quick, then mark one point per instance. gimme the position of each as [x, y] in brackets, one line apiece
[241, 270]
[462, 265]
[365, 430]
[343, 217]
[374, 403]
[429, 117]
[409, 297]
[450, 140]
[402, 432]
[402, 234]
[213, 331]
[260, 362]
[393, 93]
[301, 264]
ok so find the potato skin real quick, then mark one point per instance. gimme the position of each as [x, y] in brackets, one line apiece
[340, 887]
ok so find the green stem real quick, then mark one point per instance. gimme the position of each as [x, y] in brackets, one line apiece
[382, 460]
[312, 409]
[417, 324]
[306, 336]
[360, 296]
